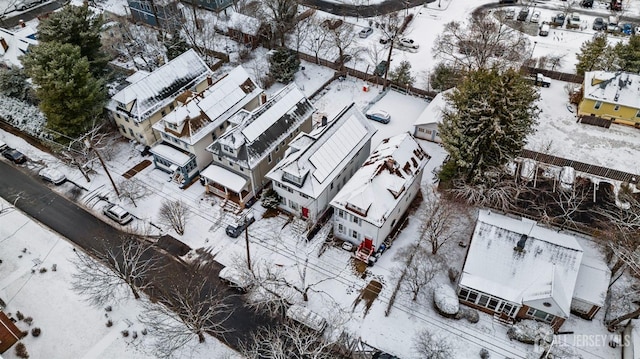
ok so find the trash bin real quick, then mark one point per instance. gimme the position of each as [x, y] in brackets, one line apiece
[365, 88]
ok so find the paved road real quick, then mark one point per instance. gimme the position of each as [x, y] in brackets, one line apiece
[12, 19]
[364, 10]
[33, 197]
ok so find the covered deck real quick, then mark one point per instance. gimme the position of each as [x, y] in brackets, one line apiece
[226, 184]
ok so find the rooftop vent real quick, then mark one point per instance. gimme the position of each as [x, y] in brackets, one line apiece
[616, 97]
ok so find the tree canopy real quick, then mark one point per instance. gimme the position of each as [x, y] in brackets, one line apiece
[490, 114]
[402, 74]
[283, 65]
[594, 55]
[70, 96]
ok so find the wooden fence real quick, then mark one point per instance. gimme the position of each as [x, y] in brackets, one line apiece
[562, 76]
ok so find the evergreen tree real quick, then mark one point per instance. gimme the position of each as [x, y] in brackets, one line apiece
[70, 97]
[628, 55]
[176, 46]
[402, 74]
[13, 83]
[445, 77]
[594, 55]
[489, 118]
[283, 65]
[76, 25]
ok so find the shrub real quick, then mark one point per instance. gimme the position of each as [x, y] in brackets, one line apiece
[125, 333]
[25, 333]
[36, 332]
[109, 323]
[144, 331]
[453, 274]
[21, 351]
[19, 315]
[54, 267]
[270, 199]
[28, 320]
[108, 308]
[484, 354]
[43, 270]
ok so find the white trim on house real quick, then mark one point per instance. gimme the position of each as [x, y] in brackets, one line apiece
[224, 177]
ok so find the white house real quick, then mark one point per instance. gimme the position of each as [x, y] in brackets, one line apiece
[198, 120]
[151, 96]
[14, 44]
[517, 269]
[317, 164]
[254, 143]
[371, 203]
[426, 126]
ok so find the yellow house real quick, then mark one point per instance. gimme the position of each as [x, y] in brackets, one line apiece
[611, 95]
[150, 96]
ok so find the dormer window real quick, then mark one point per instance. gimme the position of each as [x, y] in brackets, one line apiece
[293, 179]
[172, 126]
[229, 149]
[356, 209]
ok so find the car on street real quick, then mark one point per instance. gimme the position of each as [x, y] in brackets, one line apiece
[627, 29]
[408, 43]
[235, 229]
[384, 40]
[364, 33]
[379, 116]
[117, 213]
[14, 156]
[52, 175]
[535, 17]
[599, 24]
[3, 146]
[523, 14]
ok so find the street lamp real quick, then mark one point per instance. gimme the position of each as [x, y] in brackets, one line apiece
[438, 3]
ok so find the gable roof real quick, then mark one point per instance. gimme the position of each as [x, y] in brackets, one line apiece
[621, 88]
[547, 267]
[382, 181]
[433, 112]
[243, 23]
[203, 112]
[256, 132]
[322, 154]
[157, 89]
[16, 43]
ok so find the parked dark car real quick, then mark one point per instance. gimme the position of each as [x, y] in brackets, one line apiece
[523, 14]
[508, 1]
[234, 230]
[586, 3]
[599, 24]
[381, 68]
[14, 156]
[558, 20]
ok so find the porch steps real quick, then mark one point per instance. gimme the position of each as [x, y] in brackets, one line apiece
[230, 206]
[504, 320]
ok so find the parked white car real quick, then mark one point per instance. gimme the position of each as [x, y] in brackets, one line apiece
[364, 33]
[235, 279]
[408, 43]
[51, 175]
[117, 213]
[535, 17]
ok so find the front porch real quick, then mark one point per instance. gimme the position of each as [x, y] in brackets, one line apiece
[227, 185]
[181, 166]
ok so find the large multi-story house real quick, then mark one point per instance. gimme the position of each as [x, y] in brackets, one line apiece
[518, 269]
[15, 43]
[150, 96]
[318, 163]
[371, 203]
[213, 5]
[199, 118]
[254, 143]
[163, 13]
[613, 96]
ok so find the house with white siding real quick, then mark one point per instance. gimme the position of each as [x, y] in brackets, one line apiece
[254, 143]
[371, 203]
[317, 164]
[426, 125]
[199, 119]
[149, 96]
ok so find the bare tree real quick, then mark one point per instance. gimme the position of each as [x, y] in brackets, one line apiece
[132, 43]
[343, 38]
[420, 271]
[428, 345]
[317, 38]
[438, 225]
[288, 341]
[174, 214]
[105, 275]
[132, 190]
[302, 29]
[570, 204]
[483, 43]
[281, 15]
[203, 39]
[188, 311]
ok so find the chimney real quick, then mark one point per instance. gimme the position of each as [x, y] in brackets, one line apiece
[209, 80]
[21, 22]
[263, 98]
[324, 120]
[3, 43]
[520, 245]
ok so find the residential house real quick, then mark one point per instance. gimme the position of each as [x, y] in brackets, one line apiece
[9, 333]
[630, 340]
[370, 205]
[150, 96]
[15, 43]
[212, 5]
[244, 29]
[253, 145]
[518, 269]
[426, 126]
[156, 13]
[611, 95]
[317, 163]
[198, 120]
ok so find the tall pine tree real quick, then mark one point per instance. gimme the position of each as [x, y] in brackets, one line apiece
[628, 55]
[283, 65]
[70, 96]
[402, 74]
[489, 117]
[595, 55]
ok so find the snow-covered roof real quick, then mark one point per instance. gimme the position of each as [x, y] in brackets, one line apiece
[171, 154]
[433, 112]
[621, 88]
[160, 87]
[254, 134]
[320, 156]
[307, 317]
[14, 44]
[243, 23]
[224, 177]
[593, 281]
[546, 267]
[382, 181]
[201, 113]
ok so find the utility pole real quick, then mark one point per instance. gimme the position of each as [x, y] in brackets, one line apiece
[246, 239]
[386, 71]
[87, 143]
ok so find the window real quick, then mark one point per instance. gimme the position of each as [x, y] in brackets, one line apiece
[493, 303]
[597, 105]
[483, 300]
[163, 113]
[616, 108]
[354, 234]
[355, 219]
[473, 296]
[463, 294]
[538, 314]
[131, 133]
[269, 158]
[638, 113]
[340, 213]
[340, 228]
[171, 107]
[331, 185]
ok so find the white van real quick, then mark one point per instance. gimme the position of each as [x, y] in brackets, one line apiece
[306, 317]
[544, 29]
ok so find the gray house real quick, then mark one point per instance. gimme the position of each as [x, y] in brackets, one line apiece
[157, 13]
[213, 5]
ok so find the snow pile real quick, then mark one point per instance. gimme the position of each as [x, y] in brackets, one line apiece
[22, 115]
[446, 300]
[530, 331]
